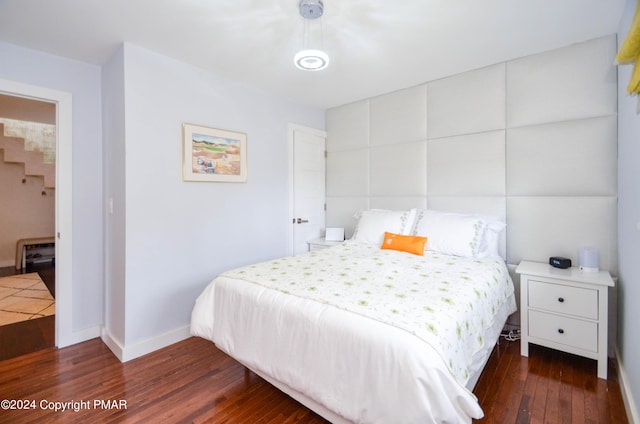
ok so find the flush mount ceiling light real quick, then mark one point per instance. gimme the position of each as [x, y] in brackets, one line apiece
[311, 59]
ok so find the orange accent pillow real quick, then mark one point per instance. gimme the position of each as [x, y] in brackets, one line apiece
[410, 244]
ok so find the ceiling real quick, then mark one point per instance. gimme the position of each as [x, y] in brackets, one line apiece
[375, 46]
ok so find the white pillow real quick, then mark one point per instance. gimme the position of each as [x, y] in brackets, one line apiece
[451, 233]
[492, 237]
[372, 224]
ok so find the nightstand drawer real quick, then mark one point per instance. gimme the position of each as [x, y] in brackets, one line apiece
[321, 243]
[567, 331]
[563, 299]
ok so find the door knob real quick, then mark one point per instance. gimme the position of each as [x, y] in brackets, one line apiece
[302, 221]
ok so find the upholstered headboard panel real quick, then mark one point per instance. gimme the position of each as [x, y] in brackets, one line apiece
[532, 140]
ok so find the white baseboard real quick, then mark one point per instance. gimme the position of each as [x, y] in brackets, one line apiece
[127, 353]
[629, 404]
[112, 343]
[78, 336]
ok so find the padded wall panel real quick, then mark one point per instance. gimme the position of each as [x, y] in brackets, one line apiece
[489, 205]
[348, 126]
[467, 103]
[552, 174]
[574, 82]
[340, 211]
[468, 165]
[572, 158]
[348, 173]
[540, 227]
[398, 203]
[399, 117]
[398, 170]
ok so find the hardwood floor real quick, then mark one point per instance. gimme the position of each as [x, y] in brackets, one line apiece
[32, 335]
[193, 381]
[190, 381]
[548, 387]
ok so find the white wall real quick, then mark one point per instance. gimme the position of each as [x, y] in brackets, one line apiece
[628, 221]
[179, 235]
[113, 108]
[83, 82]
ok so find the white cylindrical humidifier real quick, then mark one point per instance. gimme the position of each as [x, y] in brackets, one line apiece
[588, 259]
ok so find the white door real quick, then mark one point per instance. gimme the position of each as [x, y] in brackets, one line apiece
[307, 186]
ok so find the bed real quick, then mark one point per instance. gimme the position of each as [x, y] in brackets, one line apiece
[390, 326]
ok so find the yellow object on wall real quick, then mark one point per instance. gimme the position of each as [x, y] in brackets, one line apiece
[630, 52]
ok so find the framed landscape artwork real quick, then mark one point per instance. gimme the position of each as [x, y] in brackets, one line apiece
[211, 154]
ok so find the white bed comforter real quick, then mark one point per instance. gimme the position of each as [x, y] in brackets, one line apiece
[373, 335]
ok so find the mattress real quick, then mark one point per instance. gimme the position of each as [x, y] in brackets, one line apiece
[363, 334]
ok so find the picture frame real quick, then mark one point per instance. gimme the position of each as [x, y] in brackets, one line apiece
[212, 154]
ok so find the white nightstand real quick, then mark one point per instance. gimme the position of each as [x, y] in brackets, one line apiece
[320, 243]
[565, 309]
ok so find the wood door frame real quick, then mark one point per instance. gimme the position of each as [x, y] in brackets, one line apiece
[291, 140]
[63, 203]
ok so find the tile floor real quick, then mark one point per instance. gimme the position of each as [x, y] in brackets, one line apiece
[24, 297]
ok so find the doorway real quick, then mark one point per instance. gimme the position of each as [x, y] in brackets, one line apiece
[63, 199]
[27, 195]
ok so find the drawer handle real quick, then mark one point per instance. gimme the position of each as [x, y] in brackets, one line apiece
[561, 299]
[560, 330]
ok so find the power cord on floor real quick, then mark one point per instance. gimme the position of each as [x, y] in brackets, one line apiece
[511, 335]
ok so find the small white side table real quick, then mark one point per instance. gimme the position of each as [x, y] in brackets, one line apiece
[320, 243]
[565, 309]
